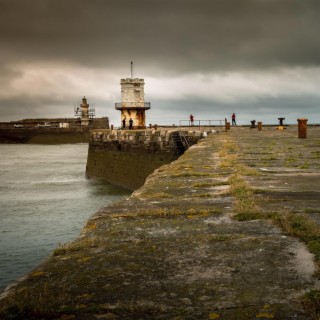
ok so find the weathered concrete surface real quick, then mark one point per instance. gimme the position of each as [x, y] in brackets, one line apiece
[289, 167]
[174, 250]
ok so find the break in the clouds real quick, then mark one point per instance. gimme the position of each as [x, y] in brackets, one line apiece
[209, 56]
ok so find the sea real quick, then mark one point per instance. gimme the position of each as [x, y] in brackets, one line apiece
[45, 200]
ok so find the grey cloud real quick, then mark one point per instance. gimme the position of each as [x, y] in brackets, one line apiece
[7, 74]
[173, 36]
[25, 107]
[267, 110]
[164, 38]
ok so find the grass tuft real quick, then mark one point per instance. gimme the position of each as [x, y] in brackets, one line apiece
[43, 303]
[162, 195]
[311, 303]
[190, 174]
[77, 245]
[167, 213]
[209, 185]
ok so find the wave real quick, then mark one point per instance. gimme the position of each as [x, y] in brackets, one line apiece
[63, 179]
[12, 185]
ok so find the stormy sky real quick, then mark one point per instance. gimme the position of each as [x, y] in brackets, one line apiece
[257, 58]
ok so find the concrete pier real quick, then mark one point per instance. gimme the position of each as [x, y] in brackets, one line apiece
[127, 157]
[230, 230]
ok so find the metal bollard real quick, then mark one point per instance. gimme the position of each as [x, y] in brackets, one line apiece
[259, 126]
[112, 127]
[227, 126]
[281, 122]
[281, 125]
[253, 124]
[155, 127]
[302, 128]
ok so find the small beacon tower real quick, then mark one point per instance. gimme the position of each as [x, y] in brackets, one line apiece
[85, 113]
[132, 105]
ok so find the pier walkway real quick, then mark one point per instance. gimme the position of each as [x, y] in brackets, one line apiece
[230, 230]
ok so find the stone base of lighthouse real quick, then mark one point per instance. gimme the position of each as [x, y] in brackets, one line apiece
[137, 115]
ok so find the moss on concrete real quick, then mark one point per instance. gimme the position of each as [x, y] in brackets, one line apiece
[169, 252]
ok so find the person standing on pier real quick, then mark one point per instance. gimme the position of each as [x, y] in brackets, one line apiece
[233, 117]
[191, 119]
[130, 124]
[124, 123]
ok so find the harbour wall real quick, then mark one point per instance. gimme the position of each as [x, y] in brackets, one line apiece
[127, 157]
[34, 131]
[186, 243]
[44, 135]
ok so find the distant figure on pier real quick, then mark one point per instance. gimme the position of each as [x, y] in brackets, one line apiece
[191, 119]
[124, 123]
[233, 117]
[130, 124]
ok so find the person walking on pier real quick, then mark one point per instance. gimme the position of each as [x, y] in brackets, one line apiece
[130, 124]
[233, 117]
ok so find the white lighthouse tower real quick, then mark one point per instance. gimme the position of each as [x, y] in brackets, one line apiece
[132, 105]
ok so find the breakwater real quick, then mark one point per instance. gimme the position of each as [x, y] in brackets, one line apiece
[127, 157]
[230, 230]
[44, 135]
[57, 130]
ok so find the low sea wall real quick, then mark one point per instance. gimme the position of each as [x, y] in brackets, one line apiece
[44, 135]
[127, 157]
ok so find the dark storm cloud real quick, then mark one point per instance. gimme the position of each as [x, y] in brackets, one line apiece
[173, 35]
[212, 56]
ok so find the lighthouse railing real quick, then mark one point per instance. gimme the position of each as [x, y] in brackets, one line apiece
[145, 105]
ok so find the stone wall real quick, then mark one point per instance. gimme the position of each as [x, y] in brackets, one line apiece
[44, 135]
[95, 123]
[127, 157]
[30, 133]
[100, 123]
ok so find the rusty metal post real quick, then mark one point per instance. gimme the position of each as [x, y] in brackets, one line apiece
[302, 128]
[227, 126]
[259, 126]
[112, 127]
[281, 125]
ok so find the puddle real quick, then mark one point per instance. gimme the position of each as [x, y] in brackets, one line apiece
[161, 232]
[305, 261]
[218, 220]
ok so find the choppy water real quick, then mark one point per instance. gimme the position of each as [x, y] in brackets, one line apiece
[45, 199]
